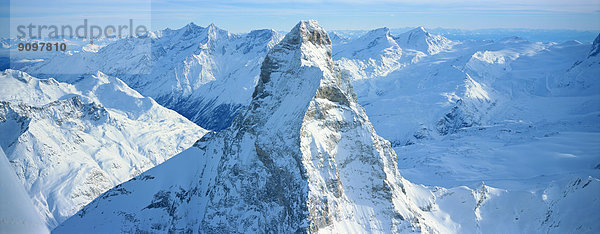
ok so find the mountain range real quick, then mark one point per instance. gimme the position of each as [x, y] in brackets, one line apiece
[312, 132]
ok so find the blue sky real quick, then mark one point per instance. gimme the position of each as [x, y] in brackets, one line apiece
[242, 16]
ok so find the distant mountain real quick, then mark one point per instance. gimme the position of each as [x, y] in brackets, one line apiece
[374, 54]
[421, 40]
[205, 73]
[579, 79]
[69, 143]
[337, 39]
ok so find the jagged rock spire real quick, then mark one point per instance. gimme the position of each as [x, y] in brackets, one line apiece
[302, 157]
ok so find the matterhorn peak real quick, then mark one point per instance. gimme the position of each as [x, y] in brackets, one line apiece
[303, 157]
[306, 45]
[308, 31]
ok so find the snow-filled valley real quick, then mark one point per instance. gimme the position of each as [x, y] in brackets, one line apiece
[314, 132]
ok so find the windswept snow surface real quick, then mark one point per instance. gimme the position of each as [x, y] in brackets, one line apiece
[69, 143]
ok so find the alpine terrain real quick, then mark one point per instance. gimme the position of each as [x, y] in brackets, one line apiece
[304, 157]
[69, 143]
[485, 136]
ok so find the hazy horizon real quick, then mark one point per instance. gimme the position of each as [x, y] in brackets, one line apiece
[243, 16]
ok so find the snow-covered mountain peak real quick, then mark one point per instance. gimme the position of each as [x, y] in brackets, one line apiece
[307, 44]
[379, 32]
[375, 54]
[18, 86]
[214, 32]
[22, 76]
[378, 36]
[258, 41]
[307, 31]
[306, 48]
[421, 40]
[262, 33]
[190, 34]
[205, 73]
[302, 157]
[110, 91]
[419, 31]
[377, 41]
[413, 36]
[189, 27]
[337, 39]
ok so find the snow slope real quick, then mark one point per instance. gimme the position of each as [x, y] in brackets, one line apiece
[69, 143]
[17, 213]
[520, 116]
[204, 73]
